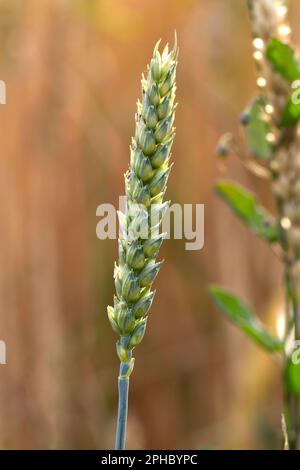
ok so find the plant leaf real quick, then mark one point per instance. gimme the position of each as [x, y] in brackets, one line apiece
[245, 206]
[292, 377]
[241, 315]
[257, 129]
[283, 59]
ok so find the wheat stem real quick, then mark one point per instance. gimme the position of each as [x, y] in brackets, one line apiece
[123, 388]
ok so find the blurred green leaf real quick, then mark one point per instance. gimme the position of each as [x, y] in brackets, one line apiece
[244, 205]
[241, 315]
[283, 59]
[257, 129]
[291, 114]
[292, 378]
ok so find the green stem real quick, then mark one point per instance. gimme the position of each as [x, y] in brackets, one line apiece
[293, 310]
[296, 398]
[123, 386]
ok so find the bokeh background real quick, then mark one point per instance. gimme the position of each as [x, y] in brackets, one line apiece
[72, 69]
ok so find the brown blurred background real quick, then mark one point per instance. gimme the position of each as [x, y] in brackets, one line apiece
[72, 69]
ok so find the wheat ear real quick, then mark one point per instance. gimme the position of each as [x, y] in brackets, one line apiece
[139, 239]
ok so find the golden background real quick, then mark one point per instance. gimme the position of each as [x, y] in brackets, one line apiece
[72, 70]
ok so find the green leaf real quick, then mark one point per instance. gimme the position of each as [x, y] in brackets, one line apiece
[292, 378]
[245, 206]
[291, 114]
[241, 315]
[283, 59]
[257, 129]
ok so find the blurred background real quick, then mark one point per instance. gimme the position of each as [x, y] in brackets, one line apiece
[72, 70]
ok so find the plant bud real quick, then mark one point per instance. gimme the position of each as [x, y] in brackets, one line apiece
[139, 130]
[135, 256]
[222, 150]
[245, 118]
[163, 129]
[224, 145]
[144, 197]
[120, 314]
[139, 226]
[168, 82]
[163, 108]
[118, 282]
[123, 353]
[127, 322]
[161, 155]
[152, 246]
[111, 317]
[148, 273]
[143, 167]
[159, 181]
[153, 94]
[158, 199]
[142, 306]
[138, 334]
[130, 287]
[148, 142]
[133, 185]
[155, 66]
[121, 252]
[134, 155]
[151, 117]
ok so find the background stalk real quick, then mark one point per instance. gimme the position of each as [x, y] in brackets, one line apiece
[269, 21]
[293, 309]
[272, 134]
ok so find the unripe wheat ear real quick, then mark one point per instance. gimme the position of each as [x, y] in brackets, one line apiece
[140, 240]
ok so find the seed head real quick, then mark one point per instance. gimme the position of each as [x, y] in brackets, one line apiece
[145, 184]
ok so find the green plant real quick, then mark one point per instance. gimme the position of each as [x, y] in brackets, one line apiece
[139, 239]
[272, 135]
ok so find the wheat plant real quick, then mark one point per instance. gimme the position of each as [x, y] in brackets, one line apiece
[140, 237]
[271, 151]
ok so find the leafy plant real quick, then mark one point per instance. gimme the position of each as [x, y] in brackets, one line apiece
[140, 240]
[272, 150]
